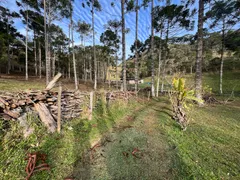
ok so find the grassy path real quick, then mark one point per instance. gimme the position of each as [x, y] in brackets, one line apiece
[135, 149]
[148, 144]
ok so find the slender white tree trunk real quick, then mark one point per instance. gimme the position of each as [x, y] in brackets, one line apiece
[26, 61]
[35, 57]
[94, 49]
[152, 51]
[159, 62]
[9, 60]
[69, 55]
[90, 69]
[99, 70]
[136, 49]
[47, 61]
[40, 60]
[108, 74]
[84, 69]
[74, 60]
[116, 56]
[85, 63]
[49, 40]
[222, 58]
[123, 46]
[53, 64]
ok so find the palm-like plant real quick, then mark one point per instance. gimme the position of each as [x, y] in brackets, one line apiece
[181, 98]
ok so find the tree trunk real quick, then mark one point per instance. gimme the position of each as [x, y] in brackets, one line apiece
[49, 40]
[152, 51]
[116, 56]
[40, 60]
[108, 74]
[69, 55]
[198, 74]
[47, 60]
[163, 72]
[90, 68]
[165, 58]
[9, 60]
[123, 46]
[53, 64]
[35, 56]
[99, 71]
[26, 55]
[222, 53]
[74, 60]
[58, 60]
[12, 67]
[94, 50]
[84, 69]
[136, 49]
[85, 65]
[159, 62]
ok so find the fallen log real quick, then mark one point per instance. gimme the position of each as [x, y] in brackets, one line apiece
[11, 114]
[45, 116]
[2, 102]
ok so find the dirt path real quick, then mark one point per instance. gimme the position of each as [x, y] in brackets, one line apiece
[135, 149]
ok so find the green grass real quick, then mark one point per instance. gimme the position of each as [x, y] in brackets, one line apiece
[231, 82]
[209, 148]
[16, 85]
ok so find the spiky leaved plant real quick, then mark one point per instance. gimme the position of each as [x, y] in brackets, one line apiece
[181, 99]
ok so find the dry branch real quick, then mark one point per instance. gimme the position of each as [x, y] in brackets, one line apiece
[53, 82]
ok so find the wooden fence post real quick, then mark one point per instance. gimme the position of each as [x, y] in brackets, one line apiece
[90, 106]
[149, 95]
[59, 108]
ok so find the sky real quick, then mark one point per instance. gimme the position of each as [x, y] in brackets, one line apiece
[101, 18]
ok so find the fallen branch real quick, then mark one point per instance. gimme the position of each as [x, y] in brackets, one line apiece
[53, 82]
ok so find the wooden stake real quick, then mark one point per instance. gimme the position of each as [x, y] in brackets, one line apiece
[59, 108]
[148, 95]
[52, 83]
[90, 106]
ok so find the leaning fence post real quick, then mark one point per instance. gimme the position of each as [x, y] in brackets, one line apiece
[90, 106]
[59, 108]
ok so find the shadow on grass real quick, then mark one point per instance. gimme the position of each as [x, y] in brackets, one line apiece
[82, 166]
[104, 120]
[94, 163]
